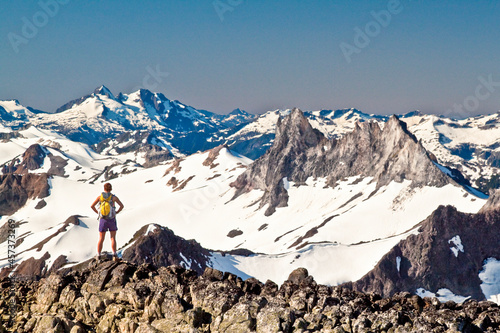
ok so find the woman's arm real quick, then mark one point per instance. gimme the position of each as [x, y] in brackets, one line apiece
[119, 204]
[95, 203]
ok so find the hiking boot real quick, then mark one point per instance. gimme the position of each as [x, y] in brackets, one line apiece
[116, 258]
[98, 258]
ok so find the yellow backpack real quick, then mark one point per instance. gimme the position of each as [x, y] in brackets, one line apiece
[107, 207]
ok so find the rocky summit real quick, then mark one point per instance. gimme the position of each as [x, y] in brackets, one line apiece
[123, 297]
[299, 151]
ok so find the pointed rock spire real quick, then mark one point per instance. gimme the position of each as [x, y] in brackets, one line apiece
[300, 152]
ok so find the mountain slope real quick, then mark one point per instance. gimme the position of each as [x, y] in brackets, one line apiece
[448, 255]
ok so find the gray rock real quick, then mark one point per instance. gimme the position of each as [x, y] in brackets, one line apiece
[172, 299]
[300, 151]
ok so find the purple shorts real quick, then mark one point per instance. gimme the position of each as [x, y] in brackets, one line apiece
[105, 225]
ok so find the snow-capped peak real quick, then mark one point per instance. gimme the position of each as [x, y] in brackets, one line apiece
[102, 90]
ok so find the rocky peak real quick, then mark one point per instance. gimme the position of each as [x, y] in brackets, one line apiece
[238, 111]
[147, 97]
[159, 246]
[294, 133]
[395, 127]
[449, 252]
[300, 152]
[295, 142]
[16, 189]
[102, 90]
[32, 158]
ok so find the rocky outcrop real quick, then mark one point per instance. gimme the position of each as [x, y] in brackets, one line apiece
[33, 159]
[159, 246]
[300, 152]
[15, 190]
[449, 252]
[123, 297]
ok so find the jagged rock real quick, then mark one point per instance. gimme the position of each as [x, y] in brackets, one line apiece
[300, 152]
[272, 319]
[270, 288]
[49, 323]
[32, 159]
[215, 298]
[41, 204]
[237, 319]
[48, 293]
[68, 295]
[213, 274]
[127, 325]
[161, 247]
[146, 328]
[172, 299]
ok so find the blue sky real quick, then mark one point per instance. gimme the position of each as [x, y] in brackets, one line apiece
[257, 55]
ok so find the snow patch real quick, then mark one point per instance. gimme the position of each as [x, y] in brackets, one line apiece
[490, 275]
[443, 295]
[398, 263]
[458, 245]
[186, 263]
[286, 184]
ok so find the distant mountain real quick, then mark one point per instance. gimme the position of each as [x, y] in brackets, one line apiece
[174, 126]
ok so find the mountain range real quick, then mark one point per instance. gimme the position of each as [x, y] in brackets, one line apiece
[374, 203]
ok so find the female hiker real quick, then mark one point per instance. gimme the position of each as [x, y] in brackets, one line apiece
[107, 218]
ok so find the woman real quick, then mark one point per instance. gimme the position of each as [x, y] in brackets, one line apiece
[107, 222]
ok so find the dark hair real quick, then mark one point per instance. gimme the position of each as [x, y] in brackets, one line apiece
[107, 187]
